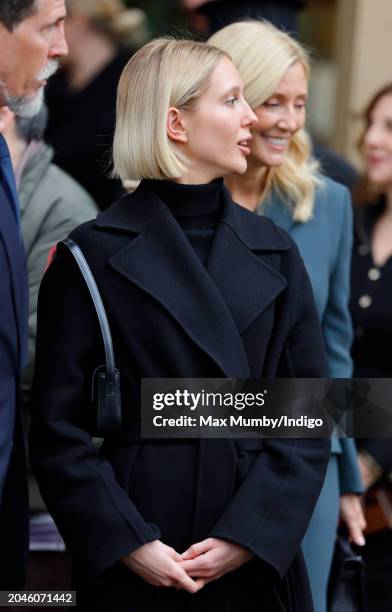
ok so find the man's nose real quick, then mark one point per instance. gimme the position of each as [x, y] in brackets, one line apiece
[59, 46]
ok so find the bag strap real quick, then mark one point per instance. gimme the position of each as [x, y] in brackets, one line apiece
[98, 304]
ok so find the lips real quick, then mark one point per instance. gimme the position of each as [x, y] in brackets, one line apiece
[374, 159]
[244, 145]
[276, 142]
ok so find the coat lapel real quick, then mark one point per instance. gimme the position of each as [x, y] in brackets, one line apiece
[214, 305]
[247, 284]
[161, 261]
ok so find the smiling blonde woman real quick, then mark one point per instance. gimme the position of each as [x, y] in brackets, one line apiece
[282, 182]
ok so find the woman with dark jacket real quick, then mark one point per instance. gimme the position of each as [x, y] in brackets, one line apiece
[371, 282]
[102, 35]
[194, 286]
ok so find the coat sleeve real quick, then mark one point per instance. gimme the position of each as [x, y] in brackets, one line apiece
[337, 332]
[349, 475]
[94, 514]
[336, 323]
[271, 510]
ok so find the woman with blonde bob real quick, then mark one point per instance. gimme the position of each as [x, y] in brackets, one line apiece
[178, 524]
[283, 182]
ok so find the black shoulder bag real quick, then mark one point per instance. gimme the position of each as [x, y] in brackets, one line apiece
[105, 385]
[346, 589]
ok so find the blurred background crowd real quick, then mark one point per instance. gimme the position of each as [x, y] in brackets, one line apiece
[349, 116]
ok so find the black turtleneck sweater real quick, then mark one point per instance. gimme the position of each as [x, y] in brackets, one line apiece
[196, 208]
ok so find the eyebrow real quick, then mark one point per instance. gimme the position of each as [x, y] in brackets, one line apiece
[233, 89]
[281, 95]
[58, 19]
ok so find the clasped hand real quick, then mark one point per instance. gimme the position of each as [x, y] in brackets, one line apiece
[161, 565]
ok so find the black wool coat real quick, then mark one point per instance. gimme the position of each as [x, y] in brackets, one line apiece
[249, 313]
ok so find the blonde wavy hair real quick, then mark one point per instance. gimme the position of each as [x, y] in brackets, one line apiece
[164, 73]
[262, 54]
[123, 26]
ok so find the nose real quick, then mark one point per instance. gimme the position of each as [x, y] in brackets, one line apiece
[288, 121]
[371, 137]
[58, 46]
[249, 116]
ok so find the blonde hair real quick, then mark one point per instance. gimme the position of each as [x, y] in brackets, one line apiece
[163, 73]
[123, 26]
[262, 54]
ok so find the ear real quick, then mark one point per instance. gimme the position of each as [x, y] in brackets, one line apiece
[175, 125]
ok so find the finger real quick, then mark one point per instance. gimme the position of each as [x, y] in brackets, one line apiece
[203, 565]
[198, 549]
[361, 518]
[191, 565]
[188, 584]
[198, 574]
[174, 554]
[199, 582]
[356, 534]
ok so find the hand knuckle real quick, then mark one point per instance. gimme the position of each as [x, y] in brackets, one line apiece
[175, 575]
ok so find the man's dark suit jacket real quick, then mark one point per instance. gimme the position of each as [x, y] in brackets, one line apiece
[13, 339]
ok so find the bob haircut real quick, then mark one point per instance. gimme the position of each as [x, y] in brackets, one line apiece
[366, 192]
[262, 54]
[164, 73]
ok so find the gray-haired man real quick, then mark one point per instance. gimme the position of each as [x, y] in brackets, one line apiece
[31, 41]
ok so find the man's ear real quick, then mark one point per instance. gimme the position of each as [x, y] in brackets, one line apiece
[175, 125]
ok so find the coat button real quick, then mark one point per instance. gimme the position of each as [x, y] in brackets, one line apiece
[359, 332]
[363, 249]
[374, 274]
[365, 301]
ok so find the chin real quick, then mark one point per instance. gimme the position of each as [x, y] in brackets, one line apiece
[239, 168]
[275, 161]
[268, 160]
[380, 181]
[26, 106]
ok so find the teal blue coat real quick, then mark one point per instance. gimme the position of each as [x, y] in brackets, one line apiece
[325, 243]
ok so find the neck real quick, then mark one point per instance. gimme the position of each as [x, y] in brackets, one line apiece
[195, 177]
[17, 149]
[96, 53]
[247, 189]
